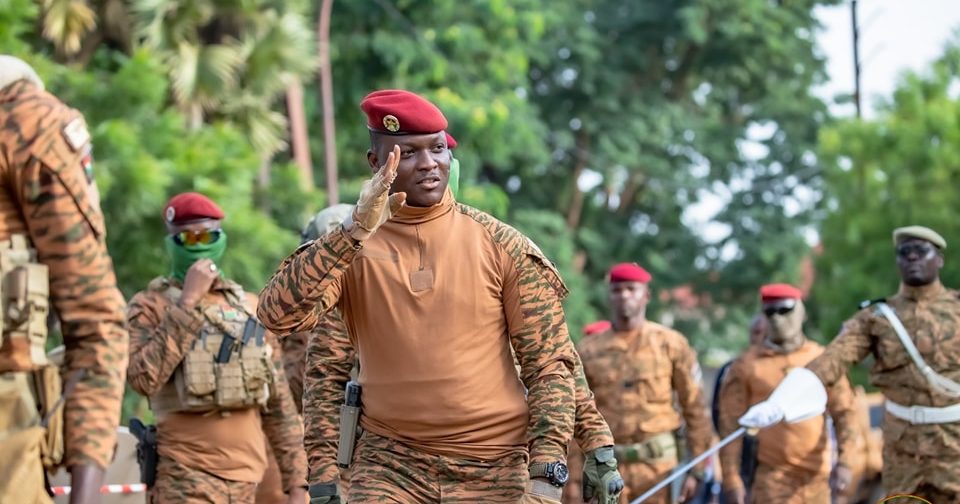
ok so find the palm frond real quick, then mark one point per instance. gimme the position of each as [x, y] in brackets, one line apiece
[67, 22]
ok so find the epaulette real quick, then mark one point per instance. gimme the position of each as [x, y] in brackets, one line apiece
[870, 302]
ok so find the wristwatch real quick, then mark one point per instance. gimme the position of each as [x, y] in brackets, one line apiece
[554, 472]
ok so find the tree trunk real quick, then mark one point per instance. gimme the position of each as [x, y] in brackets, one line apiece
[299, 139]
[326, 94]
[575, 209]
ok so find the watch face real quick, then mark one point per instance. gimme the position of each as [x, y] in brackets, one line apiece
[560, 473]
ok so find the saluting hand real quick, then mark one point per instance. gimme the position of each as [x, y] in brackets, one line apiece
[197, 282]
[376, 205]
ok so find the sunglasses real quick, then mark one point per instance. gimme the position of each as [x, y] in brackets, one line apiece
[920, 250]
[201, 237]
[780, 308]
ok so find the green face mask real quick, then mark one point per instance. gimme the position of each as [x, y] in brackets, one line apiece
[183, 256]
[454, 180]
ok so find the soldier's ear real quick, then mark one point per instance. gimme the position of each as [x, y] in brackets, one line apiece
[372, 160]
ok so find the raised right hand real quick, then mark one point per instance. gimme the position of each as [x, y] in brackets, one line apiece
[376, 205]
[197, 282]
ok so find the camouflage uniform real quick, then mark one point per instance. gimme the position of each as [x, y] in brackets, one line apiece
[794, 459]
[310, 283]
[635, 377]
[162, 333]
[922, 459]
[49, 195]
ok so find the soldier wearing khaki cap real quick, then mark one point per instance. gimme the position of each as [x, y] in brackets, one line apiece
[913, 337]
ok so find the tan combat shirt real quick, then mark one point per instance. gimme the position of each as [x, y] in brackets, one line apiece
[433, 302]
[635, 377]
[802, 447]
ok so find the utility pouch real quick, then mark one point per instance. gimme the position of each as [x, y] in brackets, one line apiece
[50, 397]
[349, 418]
[146, 450]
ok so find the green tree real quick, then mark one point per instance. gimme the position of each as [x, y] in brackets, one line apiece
[895, 170]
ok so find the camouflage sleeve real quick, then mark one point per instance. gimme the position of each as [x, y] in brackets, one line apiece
[532, 290]
[841, 405]
[307, 284]
[686, 381]
[281, 424]
[160, 335]
[330, 357]
[849, 347]
[60, 205]
[294, 358]
[733, 404]
[590, 430]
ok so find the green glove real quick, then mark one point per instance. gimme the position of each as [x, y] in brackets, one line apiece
[601, 477]
[454, 180]
[325, 493]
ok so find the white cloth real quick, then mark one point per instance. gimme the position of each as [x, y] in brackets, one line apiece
[798, 397]
[13, 69]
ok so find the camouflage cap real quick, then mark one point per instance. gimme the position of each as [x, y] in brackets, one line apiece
[324, 221]
[13, 69]
[923, 233]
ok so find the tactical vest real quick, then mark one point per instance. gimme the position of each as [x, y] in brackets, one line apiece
[227, 368]
[25, 301]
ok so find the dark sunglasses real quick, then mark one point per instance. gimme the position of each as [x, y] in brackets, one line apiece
[920, 250]
[780, 308]
[201, 237]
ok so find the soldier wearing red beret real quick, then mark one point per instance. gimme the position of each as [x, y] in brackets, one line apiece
[213, 375]
[436, 297]
[635, 369]
[794, 460]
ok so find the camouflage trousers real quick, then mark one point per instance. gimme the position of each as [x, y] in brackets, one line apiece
[386, 471]
[785, 486]
[936, 479]
[177, 484]
[638, 477]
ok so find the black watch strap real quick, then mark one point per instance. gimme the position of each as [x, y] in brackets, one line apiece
[323, 490]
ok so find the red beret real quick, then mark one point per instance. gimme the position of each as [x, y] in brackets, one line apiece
[597, 327]
[398, 112]
[190, 206]
[629, 272]
[770, 292]
[451, 142]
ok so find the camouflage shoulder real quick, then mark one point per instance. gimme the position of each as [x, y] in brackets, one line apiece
[517, 245]
[669, 335]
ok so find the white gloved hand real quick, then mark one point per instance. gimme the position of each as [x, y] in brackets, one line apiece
[762, 415]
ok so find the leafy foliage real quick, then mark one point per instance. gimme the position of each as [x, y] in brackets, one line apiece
[892, 171]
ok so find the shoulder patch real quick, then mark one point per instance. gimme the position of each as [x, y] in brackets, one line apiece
[76, 134]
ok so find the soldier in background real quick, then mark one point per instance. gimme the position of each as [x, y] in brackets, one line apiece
[50, 206]
[794, 459]
[214, 382]
[636, 369]
[921, 428]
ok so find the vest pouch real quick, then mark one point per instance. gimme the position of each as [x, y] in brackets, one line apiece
[231, 393]
[49, 391]
[198, 377]
[256, 369]
[25, 303]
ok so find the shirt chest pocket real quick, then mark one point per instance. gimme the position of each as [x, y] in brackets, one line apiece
[649, 384]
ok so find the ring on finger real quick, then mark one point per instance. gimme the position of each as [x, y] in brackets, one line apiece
[213, 268]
